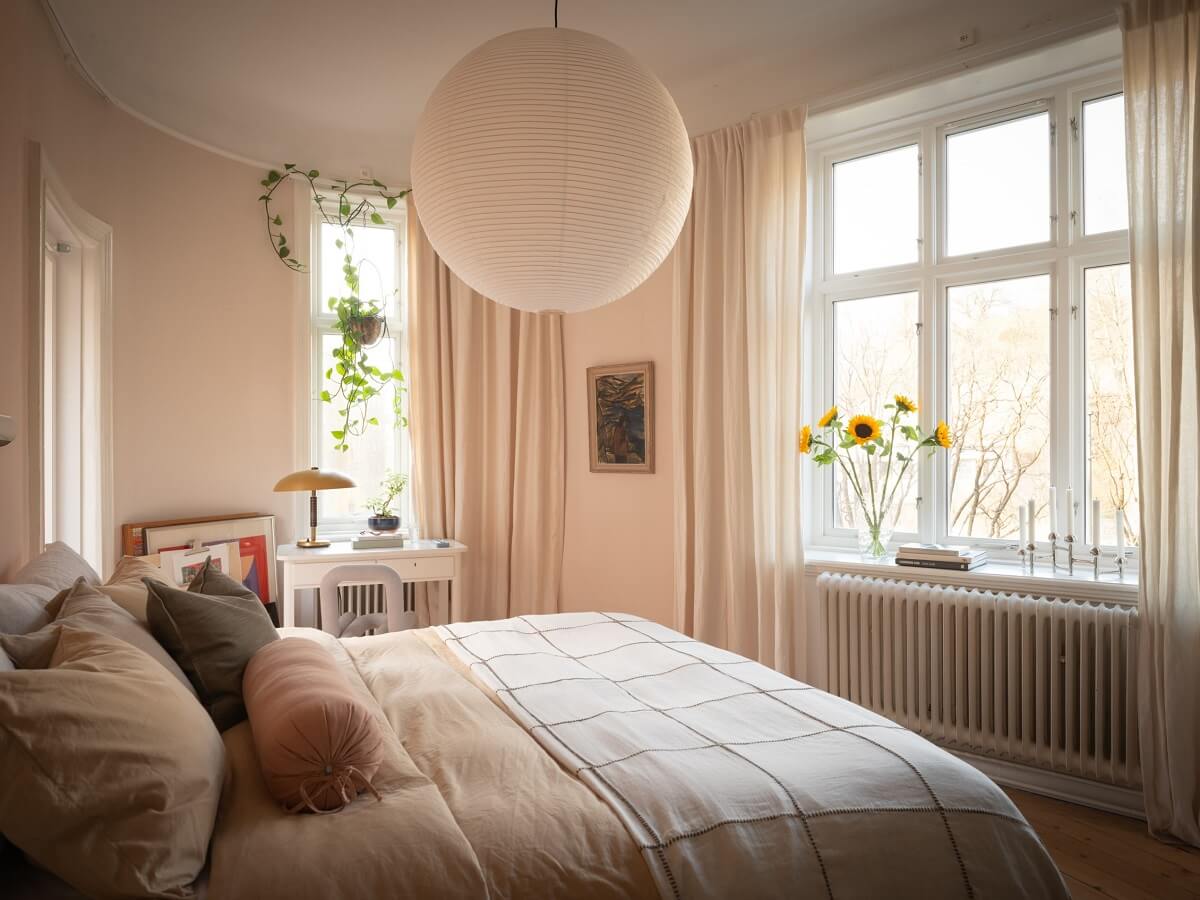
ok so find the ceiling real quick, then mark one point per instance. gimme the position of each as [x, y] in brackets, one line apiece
[339, 85]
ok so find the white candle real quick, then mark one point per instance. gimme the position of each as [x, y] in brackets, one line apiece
[1053, 509]
[1031, 515]
[1120, 531]
[1095, 522]
[1024, 525]
[1071, 511]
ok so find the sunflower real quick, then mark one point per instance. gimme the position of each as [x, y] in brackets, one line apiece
[830, 415]
[863, 429]
[805, 439]
[904, 405]
[942, 436]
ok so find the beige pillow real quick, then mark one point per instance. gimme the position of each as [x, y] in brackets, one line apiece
[112, 772]
[84, 606]
[126, 587]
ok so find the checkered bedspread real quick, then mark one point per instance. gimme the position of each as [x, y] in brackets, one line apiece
[738, 781]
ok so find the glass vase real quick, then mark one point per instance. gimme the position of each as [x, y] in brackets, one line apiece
[873, 541]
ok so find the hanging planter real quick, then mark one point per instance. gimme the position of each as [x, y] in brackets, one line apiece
[367, 330]
[353, 380]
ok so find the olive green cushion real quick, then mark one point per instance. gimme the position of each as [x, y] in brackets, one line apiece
[212, 636]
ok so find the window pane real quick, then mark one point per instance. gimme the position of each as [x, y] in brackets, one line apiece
[374, 251]
[999, 409]
[1105, 201]
[998, 186]
[876, 210]
[372, 453]
[876, 357]
[1112, 428]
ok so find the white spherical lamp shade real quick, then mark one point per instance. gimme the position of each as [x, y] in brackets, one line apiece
[551, 170]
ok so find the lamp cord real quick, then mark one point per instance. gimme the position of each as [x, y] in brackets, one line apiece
[555, 13]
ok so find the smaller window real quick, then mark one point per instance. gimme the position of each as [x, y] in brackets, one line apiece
[382, 447]
[999, 409]
[876, 210]
[1112, 424]
[876, 357]
[1105, 196]
[998, 185]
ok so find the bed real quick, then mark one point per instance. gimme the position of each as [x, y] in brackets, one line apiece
[603, 755]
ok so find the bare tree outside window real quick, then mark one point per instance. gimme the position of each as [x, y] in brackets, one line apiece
[1112, 426]
[876, 357]
[999, 403]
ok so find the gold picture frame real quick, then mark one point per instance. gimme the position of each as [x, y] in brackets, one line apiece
[621, 418]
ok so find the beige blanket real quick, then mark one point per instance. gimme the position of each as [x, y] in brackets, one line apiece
[472, 806]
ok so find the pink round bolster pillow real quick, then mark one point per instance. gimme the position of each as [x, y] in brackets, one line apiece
[318, 743]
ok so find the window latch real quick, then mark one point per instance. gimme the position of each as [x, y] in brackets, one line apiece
[1074, 128]
[920, 325]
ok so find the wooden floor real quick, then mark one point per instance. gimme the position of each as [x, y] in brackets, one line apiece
[1105, 855]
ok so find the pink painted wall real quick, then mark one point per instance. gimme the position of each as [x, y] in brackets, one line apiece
[203, 347]
[618, 544]
[203, 315]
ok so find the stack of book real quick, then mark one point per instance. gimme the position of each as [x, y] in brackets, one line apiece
[940, 556]
[377, 540]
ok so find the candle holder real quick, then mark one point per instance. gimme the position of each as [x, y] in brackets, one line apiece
[1119, 562]
[1062, 556]
[1030, 555]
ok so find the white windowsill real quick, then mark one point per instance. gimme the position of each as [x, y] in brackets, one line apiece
[994, 576]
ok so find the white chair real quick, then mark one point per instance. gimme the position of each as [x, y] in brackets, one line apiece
[350, 624]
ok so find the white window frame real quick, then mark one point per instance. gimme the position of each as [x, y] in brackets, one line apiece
[322, 322]
[1064, 257]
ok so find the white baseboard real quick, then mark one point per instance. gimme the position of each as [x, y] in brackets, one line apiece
[1107, 797]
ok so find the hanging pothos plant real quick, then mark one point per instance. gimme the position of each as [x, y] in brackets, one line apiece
[353, 379]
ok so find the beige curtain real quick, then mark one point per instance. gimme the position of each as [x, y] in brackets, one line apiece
[1162, 76]
[487, 419]
[737, 327]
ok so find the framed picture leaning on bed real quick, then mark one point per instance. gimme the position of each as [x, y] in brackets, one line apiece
[254, 535]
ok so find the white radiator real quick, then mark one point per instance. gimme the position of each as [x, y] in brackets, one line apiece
[1043, 682]
[368, 599]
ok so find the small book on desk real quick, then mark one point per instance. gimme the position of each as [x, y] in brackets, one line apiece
[370, 540]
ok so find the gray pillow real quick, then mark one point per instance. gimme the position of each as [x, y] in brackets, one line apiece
[6, 663]
[58, 567]
[23, 607]
[212, 637]
[84, 606]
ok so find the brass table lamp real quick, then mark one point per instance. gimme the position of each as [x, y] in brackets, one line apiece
[314, 480]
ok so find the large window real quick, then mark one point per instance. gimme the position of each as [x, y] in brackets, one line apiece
[378, 252]
[980, 263]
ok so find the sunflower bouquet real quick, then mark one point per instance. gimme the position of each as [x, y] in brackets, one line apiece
[875, 483]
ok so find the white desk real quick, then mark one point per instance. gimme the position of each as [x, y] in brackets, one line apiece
[303, 568]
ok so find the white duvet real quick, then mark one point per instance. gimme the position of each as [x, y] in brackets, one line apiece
[736, 781]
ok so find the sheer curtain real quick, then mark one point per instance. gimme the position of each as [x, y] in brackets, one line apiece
[487, 415]
[737, 328]
[1161, 39]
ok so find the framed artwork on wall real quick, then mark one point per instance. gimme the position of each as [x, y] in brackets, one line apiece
[621, 418]
[254, 536]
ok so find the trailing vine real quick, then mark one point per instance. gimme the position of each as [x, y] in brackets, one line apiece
[353, 380]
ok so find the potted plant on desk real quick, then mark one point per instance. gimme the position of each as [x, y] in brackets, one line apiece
[383, 519]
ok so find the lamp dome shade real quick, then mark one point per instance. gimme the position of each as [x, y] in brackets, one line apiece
[551, 170]
[314, 479]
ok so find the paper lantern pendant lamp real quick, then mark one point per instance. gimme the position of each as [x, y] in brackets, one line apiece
[551, 170]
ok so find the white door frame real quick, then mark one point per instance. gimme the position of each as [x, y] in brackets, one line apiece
[49, 199]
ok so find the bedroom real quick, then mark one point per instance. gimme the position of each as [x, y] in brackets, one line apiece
[769, 427]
